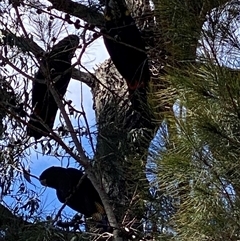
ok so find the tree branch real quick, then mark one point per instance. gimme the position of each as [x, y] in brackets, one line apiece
[84, 161]
[86, 78]
[88, 14]
[28, 45]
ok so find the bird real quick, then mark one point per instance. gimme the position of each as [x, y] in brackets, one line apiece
[126, 48]
[76, 190]
[56, 72]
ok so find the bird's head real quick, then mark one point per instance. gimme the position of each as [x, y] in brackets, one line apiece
[65, 47]
[51, 176]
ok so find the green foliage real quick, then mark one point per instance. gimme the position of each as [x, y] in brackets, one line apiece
[199, 170]
[197, 161]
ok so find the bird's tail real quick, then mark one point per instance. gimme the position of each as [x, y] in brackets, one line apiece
[101, 218]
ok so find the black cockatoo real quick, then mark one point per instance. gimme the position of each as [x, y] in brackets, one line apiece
[127, 50]
[83, 198]
[57, 63]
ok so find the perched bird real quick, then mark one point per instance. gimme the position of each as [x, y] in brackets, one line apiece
[81, 197]
[55, 65]
[127, 50]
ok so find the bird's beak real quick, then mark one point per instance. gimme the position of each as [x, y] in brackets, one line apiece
[43, 182]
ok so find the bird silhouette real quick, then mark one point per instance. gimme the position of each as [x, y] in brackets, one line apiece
[76, 190]
[126, 48]
[55, 70]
